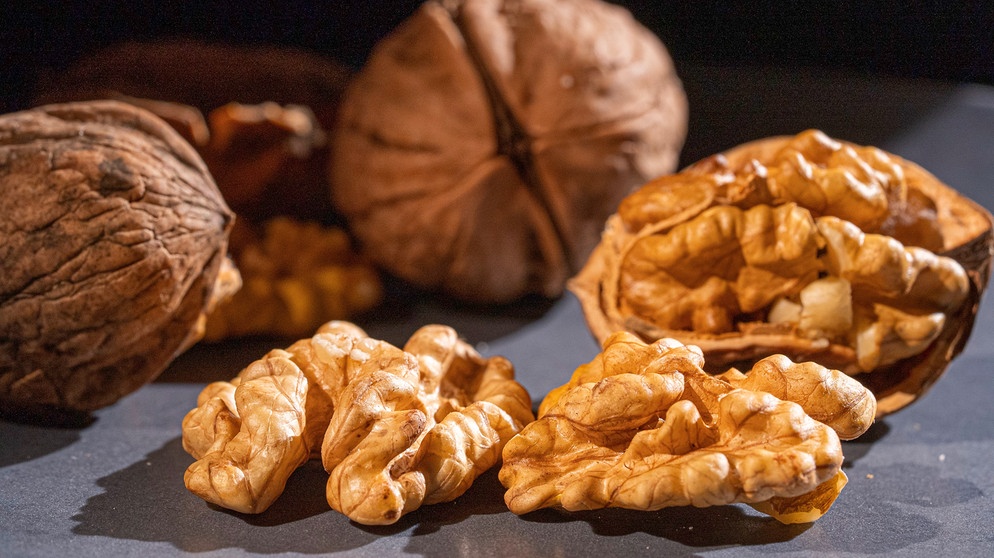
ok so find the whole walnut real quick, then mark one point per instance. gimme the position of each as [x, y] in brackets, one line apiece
[808, 246]
[484, 142]
[113, 243]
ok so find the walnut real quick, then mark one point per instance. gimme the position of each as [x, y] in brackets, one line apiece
[258, 114]
[295, 276]
[395, 428]
[263, 157]
[484, 142]
[807, 246]
[112, 248]
[268, 160]
[643, 426]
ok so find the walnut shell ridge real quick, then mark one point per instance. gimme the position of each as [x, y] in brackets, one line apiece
[113, 239]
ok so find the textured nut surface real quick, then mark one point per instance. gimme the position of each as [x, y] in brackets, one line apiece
[804, 245]
[295, 276]
[395, 428]
[485, 141]
[642, 426]
[112, 238]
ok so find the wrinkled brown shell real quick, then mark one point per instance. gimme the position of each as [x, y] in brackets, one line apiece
[965, 234]
[485, 141]
[112, 235]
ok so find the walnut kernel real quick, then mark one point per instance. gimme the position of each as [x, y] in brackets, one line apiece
[643, 426]
[804, 245]
[395, 428]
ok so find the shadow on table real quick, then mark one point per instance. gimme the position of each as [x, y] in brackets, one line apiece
[854, 450]
[866, 524]
[147, 501]
[21, 442]
[715, 526]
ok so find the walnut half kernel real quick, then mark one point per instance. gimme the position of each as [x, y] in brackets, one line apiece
[643, 426]
[807, 246]
[395, 428]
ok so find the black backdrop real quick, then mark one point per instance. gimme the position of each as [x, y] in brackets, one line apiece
[938, 39]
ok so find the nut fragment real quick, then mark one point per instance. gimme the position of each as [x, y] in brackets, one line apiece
[395, 428]
[644, 427]
[806, 246]
[112, 243]
[485, 141]
[264, 157]
[297, 276]
[268, 159]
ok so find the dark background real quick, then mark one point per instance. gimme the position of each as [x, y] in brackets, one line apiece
[934, 39]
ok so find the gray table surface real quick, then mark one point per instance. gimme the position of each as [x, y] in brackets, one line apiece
[921, 481]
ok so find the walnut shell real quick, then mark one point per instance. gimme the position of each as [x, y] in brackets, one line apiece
[484, 142]
[112, 239]
[807, 246]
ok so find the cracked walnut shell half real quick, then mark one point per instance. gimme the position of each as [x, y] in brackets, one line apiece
[643, 426]
[395, 428]
[484, 142]
[808, 246]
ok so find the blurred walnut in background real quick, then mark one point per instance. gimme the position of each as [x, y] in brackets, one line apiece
[294, 274]
[267, 151]
[484, 142]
